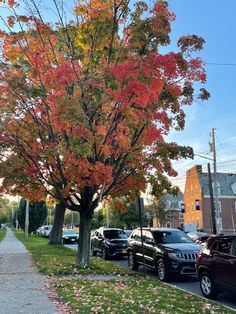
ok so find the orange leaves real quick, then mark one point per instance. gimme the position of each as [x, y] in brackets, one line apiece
[11, 21]
[101, 130]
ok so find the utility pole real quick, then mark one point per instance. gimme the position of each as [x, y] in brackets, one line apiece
[213, 148]
[27, 219]
[213, 218]
[107, 217]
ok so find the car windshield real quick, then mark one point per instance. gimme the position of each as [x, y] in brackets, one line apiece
[115, 234]
[70, 232]
[171, 237]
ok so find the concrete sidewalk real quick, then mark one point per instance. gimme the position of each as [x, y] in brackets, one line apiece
[22, 288]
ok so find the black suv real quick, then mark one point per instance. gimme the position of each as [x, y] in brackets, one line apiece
[169, 251]
[109, 242]
[216, 265]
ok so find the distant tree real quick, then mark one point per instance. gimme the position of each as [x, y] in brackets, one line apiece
[37, 214]
[98, 219]
[158, 210]
[123, 214]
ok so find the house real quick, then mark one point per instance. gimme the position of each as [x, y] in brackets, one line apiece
[172, 217]
[197, 200]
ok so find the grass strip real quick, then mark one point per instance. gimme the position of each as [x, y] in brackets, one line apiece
[3, 232]
[131, 295]
[61, 261]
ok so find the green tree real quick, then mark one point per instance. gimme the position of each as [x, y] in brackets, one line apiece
[98, 219]
[37, 214]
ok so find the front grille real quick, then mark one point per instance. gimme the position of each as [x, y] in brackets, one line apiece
[189, 256]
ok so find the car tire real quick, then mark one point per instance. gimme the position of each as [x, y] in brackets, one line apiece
[133, 265]
[93, 252]
[162, 272]
[207, 285]
[104, 252]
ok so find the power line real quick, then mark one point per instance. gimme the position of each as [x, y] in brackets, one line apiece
[221, 64]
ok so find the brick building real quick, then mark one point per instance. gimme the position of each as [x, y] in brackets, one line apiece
[197, 200]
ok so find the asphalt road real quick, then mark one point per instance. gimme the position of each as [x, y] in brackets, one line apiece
[187, 283]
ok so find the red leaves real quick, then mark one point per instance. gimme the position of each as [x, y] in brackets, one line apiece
[191, 43]
[11, 21]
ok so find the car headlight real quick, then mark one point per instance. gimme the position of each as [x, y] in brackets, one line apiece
[175, 255]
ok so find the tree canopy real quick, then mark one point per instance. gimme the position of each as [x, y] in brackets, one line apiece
[86, 105]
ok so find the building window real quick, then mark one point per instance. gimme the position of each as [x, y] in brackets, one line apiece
[181, 215]
[233, 186]
[168, 224]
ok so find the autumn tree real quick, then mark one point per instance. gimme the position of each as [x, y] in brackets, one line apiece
[86, 105]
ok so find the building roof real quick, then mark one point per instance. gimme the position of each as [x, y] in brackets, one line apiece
[173, 202]
[226, 183]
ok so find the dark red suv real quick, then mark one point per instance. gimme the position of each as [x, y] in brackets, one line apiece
[216, 265]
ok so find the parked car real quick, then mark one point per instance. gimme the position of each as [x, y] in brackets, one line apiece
[109, 242]
[39, 231]
[128, 232]
[169, 251]
[194, 235]
[70, 236]
[46, 231]
[216, 266]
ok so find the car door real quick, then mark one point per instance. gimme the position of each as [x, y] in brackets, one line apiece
[223, 262]
[136, 244]
[149, 249]
[97, 240]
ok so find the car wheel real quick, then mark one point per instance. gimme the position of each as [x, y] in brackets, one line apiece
[208, 286]
[104, 253]
[133, 265]
[161, 270]
[93, 252]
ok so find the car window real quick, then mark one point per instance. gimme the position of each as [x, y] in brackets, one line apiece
[224, 245]
[115, 234]
[171, 237]
[148, 237]
[136, 235]
[69, 232]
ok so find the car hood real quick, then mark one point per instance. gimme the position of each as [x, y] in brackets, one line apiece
[181, 247]
[117, 240]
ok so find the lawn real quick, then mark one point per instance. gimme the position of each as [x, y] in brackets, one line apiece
[131, 295]
[3, 232]
[61, 261]
[126, 294]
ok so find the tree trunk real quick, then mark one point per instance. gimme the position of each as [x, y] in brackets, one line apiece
[84, 238]
[55, 237]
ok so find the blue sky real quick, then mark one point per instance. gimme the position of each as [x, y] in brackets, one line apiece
[216, 23]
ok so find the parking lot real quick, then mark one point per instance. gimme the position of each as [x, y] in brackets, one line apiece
[187, 283]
